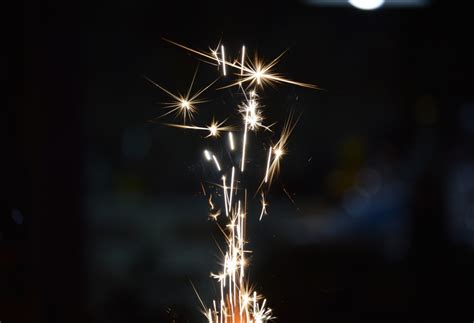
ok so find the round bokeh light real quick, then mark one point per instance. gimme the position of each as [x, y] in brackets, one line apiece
[367, 4]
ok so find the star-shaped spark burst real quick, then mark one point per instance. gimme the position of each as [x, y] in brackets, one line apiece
[252, 73]
[276, 152]
[215, 128]
[251, 112]
[182, 105]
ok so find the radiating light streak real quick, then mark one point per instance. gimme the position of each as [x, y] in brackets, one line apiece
[243, 61]
[231, 189]
[231, 141]
[216, 162]
[255, 72]
[226, 199]
[244, 143]
[223, 61]
[268, 163]
[214, 128]
[214, 52]
[186, 106]
[288, 195]
[279, 149]
[264, 207]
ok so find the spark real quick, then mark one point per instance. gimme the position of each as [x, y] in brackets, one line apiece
[244, 145]
[224, 187]
[231, 141]
[207, 155]
[216, 162]
[223, 61]
[264, 207]
[256, 72]
[242, 62]
[211, 205]
[268, 163]
[288, 195]
[215, 128]
[252, 113]
[183, 105]
[214, 52]
[215, 215]
[279, 150]
[231, 189]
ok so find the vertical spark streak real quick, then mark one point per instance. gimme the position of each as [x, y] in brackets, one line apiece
[217, 163]
[254, 304]
[268, 163]
[231, 141]
[231, 188]
[224, 187]
[244, 145]
[222, 305]
[215, 312]
[264, 207]
[243, 58]
[223, 60]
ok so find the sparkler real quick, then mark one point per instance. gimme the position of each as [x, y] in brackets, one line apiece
[238, 302]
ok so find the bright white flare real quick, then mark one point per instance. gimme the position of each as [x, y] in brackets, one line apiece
[367, 4]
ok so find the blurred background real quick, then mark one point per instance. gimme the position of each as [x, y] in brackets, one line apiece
[371, 218]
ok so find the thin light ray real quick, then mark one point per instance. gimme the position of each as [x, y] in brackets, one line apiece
[185, 106]
[254, 72]
[268, 163]
[214, 129]
[223, 61]
[231, 141]
[264, 207]
[244, 145]
[231, 189]
[224, 187]
[243, 61]
[216, 162]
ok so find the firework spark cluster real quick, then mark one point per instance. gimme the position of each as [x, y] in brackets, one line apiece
[238, 302]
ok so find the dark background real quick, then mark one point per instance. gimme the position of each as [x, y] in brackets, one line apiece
[103, 220]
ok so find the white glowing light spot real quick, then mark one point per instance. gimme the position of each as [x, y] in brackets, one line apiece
[185, 104]
[278, 152]
[207, 154]
[367, 4]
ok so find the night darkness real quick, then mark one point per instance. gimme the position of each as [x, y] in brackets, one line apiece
[103, 218]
